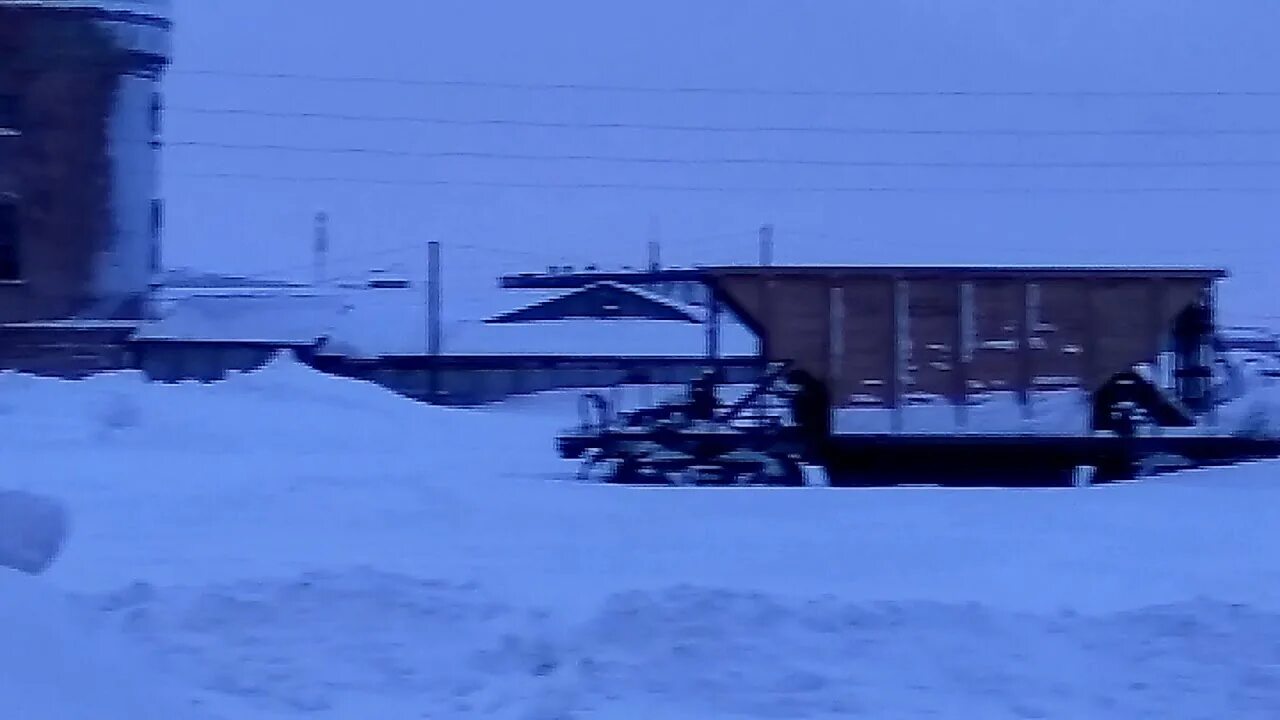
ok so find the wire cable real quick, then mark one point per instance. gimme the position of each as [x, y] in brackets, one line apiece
[778, 189]
[727, 129]
[728, 90]
[729, 161]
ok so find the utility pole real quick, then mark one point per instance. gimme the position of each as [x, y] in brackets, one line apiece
[655, 245]
[654, 265]
[320, 250]
[766, 245]
[434, 296]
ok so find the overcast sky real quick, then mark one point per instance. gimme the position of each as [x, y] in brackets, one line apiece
[250, 224]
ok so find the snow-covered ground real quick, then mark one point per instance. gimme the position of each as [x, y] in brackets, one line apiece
[293, 545]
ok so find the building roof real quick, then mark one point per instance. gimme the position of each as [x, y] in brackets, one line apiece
[394, 322]
[673, 310]
[281, 319]
[182, 279]
[370, 323]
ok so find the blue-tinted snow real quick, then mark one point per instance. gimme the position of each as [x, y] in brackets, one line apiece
[290, 545]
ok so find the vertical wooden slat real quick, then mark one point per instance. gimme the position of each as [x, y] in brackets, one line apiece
[1158, 299]
[767, 299]
[1212, 360]
[962, 351]
[1026, 357]
[899, 348]
[836, 344]
[1088, 301]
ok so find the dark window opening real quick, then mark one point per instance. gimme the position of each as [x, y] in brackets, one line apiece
[9, 111]
[10, 241]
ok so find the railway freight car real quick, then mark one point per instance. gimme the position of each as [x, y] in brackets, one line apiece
[1139, 343]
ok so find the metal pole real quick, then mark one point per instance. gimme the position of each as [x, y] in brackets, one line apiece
[320, 249]
[766, 245]
[655, 253]
[433, 298]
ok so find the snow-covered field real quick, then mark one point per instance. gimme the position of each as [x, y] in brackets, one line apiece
[292, 545]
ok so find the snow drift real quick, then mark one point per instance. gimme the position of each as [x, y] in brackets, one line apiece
[349, 644]
[59, 662]
[289, 544]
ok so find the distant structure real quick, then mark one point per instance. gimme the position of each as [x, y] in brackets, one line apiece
[80, 212]
[601, 335]
[600, 301]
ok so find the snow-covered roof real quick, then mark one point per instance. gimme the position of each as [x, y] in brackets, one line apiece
[646, 295]
[180, 279]
[370, 323]
[651, 296]
[394, 322]
[276, 319]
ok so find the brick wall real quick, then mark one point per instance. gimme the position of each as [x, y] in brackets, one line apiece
[60, 70]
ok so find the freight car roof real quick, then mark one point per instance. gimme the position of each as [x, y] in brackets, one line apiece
[548, 281]
[1012, 271]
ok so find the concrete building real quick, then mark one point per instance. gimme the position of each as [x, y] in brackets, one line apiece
[80, 212]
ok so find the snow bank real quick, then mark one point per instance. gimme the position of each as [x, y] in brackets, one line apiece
[348, 644]
[57, 662]
[284, 405]
[288, 544]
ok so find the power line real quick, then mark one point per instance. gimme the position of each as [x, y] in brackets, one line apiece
[712, 161]
[725, 90]
[418, 246]
[723, 129]
[762, 189]
[282, 270]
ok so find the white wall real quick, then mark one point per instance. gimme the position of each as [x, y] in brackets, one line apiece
[124, 267]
